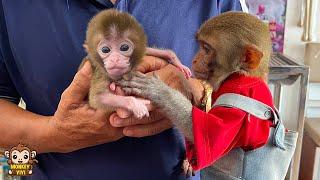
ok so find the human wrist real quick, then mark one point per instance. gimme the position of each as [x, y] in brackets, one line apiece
[53, 139]
[39, 135]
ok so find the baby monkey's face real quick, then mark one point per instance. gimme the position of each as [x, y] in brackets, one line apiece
[116, 53]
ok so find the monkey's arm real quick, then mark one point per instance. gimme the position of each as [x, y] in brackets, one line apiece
[171, 57]
[173, 104]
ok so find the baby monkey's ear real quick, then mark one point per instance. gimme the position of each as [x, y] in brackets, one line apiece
[86, 48]
[252, 57]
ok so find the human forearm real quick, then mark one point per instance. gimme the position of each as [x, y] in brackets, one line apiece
[20, 126]
[74, 125]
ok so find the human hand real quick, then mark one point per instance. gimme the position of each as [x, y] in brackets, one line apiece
[75, 125]
[147, 126]
[156, 123]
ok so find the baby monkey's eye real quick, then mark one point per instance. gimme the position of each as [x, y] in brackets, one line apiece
[124, 47]
[25, 156]
[105, 49]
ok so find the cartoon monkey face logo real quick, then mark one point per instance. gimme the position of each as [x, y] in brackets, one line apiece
[20, 159]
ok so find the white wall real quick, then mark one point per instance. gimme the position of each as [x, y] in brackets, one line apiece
[295, 48]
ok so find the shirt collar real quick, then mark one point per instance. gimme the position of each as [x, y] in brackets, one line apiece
[106, 3]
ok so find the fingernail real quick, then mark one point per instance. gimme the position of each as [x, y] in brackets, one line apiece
[127, 132]
[118, 121]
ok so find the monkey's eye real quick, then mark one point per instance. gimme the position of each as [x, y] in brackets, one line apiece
[124, 47]
[14, 156]
[25, 156]
[105, 49]
[206, 48]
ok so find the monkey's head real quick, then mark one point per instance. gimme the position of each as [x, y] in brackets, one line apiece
[232, 42]
[20, 155]
[116, 42]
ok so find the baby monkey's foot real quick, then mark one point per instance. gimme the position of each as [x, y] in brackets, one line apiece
[187, 168]
[185, 70]
[138, 107]
[172, 58]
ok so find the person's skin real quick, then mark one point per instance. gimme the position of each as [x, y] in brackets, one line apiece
[75, 125]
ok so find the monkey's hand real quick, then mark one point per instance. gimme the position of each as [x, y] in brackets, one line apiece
[176, 107]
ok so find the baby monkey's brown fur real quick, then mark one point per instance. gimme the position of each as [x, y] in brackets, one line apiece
[110, 29]
[103, 26]
[110, 24]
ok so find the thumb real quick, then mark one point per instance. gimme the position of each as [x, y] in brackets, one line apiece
[123, 113]
[79, 87]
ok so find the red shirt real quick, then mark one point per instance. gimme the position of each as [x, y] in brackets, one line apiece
[222, 129]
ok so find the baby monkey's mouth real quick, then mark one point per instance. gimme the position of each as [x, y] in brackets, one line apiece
[117, 72]
[20, 162]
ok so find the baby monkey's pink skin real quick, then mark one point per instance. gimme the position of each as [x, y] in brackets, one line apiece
[115, 54]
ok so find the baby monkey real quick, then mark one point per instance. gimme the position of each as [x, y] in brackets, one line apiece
[115, 44]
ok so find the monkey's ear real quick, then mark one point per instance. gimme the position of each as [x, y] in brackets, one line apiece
[86, 48]
[252, 57]
[33, 154]
[7, 154]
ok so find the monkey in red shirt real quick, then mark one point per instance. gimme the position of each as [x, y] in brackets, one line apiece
[233, 57]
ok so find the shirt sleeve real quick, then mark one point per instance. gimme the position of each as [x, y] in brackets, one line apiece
[122, 5]
[7, 88]
[229, 5]
[215, 134]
